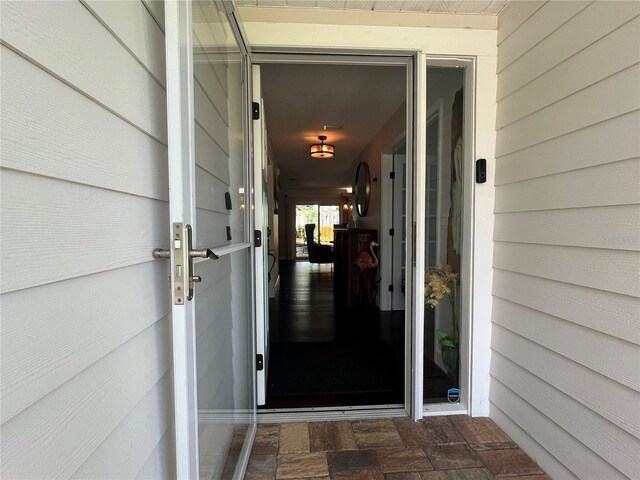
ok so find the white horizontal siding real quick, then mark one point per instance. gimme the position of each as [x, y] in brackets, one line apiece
[73, 229]
[612, 314]
[595, 432]
[566, 315]
[602, 143]
[138, 31]
[587, 107]
[572, 453]
[606, 397]
[69, 146]
[82, 414]
[612, 357]
[576, 73]
[595, 268]
[133, 441]
[38, 354]
[156, 10]
[54, 35]
[552, 466]
[588, 26]
[161, 460]
[598, 186]
[85, 346]
[538, 26]
[598, 227]
[511, 18]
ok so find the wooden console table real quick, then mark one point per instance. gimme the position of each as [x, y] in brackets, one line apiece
[350, 286]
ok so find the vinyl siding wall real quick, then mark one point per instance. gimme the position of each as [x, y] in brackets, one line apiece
[565, 376]
[85, 344]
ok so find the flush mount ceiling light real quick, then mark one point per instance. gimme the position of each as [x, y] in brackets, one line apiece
[322, 150]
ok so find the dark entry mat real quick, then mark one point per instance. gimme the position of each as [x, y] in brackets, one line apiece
[313, 368]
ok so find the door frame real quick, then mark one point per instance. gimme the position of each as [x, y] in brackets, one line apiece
[467, 344]
[415, 78]
[181, 173]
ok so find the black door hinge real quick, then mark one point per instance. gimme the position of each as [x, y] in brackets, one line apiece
[391, 231]
[391, 288]
[257, 238]
[392, 175]
[255, 110]
[259, 362]
[228, 233]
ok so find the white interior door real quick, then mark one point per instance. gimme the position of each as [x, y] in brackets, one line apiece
[262, 213]
[211, 255]
[399, 161]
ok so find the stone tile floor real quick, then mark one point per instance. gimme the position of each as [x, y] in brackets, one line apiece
[435, 448]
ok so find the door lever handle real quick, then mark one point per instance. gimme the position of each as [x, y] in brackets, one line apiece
[183, 268]
[203, 253]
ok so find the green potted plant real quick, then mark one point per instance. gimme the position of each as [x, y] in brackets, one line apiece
[440, 281]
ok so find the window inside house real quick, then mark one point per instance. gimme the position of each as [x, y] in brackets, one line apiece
[324, 217]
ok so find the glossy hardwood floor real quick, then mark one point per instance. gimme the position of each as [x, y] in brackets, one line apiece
[324, 354]
[346, 356]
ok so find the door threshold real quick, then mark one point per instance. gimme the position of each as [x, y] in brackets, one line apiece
[439, 409]
[320, 414]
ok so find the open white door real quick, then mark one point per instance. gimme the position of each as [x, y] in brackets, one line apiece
[262, 213]
[399, 222]
[211, 247]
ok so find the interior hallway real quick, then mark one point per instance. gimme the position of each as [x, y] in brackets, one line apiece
[435, 448]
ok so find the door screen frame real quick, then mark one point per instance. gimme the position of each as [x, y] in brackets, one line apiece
[413, 61]
[181, 173]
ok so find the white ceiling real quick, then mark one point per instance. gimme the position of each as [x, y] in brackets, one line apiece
[476, 7]
[300, 99]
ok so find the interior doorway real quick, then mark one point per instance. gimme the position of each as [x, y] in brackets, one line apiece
[329, 343]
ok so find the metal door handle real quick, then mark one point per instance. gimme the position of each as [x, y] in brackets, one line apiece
[183, 267]
[204, 253]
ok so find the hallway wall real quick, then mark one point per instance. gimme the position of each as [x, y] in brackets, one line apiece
[566, 313]
[384, 140]
[85, 347]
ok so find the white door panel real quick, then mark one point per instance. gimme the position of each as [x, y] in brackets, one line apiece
[262, 252]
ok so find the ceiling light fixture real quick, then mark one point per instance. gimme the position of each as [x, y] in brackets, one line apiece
[322, 150]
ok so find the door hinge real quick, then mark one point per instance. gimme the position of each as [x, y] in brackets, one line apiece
[259, 362]
[391, 231]
[257, 238]
[391, 288]
[255, 110]
[392, 175]
[228, 233]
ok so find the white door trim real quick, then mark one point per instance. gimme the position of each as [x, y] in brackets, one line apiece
[467, 344]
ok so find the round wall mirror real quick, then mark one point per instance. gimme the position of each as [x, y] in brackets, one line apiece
[362, 189]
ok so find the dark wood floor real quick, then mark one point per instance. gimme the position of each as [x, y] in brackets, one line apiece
[306, 312]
